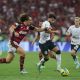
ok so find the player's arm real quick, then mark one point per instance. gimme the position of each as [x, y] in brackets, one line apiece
[49, 30]
[68, 33]
[12, 30]
[37, 37]
[40, 29]
[52, 36]
[36, 28]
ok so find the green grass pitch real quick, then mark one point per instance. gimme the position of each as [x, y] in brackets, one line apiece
[11, 71]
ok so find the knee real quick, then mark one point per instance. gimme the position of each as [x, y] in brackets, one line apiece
[20, 51]
[58, 52]
[23, 54]
[8, 61]
[73, 53]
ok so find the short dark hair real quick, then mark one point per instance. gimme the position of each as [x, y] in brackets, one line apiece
[23, 17]
[51, 15]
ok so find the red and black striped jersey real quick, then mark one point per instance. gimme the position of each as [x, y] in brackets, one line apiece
[22, 30]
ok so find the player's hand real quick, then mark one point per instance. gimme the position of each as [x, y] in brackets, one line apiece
[57, 31]
[16, 34]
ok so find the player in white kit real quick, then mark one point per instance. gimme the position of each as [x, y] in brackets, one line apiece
[74, 32]
[46, 44]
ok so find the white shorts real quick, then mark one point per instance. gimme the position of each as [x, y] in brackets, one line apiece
[12, 49]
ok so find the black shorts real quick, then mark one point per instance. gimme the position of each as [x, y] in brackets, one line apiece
[75, 47]
[49, 45]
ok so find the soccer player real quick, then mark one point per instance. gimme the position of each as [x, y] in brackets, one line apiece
[46, 44]
[74, 32]
[18, 32]
[50, 53]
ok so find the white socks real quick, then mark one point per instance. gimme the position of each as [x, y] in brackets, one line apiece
[76, 60]
[41, 61]
[58, 58]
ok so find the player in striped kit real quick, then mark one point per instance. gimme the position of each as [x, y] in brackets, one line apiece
[18, 32]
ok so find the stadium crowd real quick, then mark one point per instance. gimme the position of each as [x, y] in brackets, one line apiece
[65, 11]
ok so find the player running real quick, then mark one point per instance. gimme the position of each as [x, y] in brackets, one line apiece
[46, 44]
[50, 53]
[18, 32]
[74, 32]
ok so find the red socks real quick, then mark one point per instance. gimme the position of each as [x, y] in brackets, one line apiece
[3, 60]
[22, 63]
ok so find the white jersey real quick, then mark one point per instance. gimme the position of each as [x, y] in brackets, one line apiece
[75, 34]
[43, 35]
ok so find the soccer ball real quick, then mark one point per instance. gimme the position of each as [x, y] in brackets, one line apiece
[64, 72]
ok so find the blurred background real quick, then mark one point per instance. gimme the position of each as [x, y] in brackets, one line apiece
[65, 11]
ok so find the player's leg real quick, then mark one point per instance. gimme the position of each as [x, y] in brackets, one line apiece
[54, 48]
[73, 52]
[44, 51]
[74, 56]
[42, 61]
[74, 49]
[58, 57]
[51, 55]
[21, 52]
[40, 55]
[8, 59]
[10, 55]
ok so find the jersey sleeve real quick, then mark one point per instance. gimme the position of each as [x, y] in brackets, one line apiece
[46, 25]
